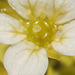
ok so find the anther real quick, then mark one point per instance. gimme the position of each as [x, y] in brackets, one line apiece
[42, 14]
[28, 11]
[20, 21]
[57, 38]
[44, 7]
[21, 30]
[36, 47]
[60, 28]
[26, 41]
[49, 45]
[3, 10]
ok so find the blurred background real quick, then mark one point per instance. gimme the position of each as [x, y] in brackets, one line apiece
[58, 64]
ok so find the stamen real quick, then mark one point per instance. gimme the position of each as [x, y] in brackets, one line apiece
[36, 47]
[60, 28]
[3, 10]
[49, 45]
[42, 14]
[28, 11]
[26, 41]
[57, 38]
[21, 30]
[20, 21]
[44, 7]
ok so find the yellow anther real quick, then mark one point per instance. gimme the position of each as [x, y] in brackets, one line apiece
[21, 30]
[42, 14]
[60, 28]
[49, 45]
[36, 47]
[28, 11]
[44, 7]
[3, 10]
[26, 41]
[36, 28]
[20, 21]
[57, 38]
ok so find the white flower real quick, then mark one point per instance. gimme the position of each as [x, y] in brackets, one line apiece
[48, 22]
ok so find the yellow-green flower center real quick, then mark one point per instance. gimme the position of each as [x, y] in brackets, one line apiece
[41, 31]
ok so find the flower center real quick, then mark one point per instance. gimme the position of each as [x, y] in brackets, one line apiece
[41, 31]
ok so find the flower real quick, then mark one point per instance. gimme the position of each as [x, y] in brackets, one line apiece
[48, 24]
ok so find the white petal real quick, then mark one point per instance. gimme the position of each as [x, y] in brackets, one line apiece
[40, 9]
[68, 6]
[9, 28]
[60, 11]
[19, 60]
[27, 7]
[50, 8]
[54, 9]
[67, 45]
